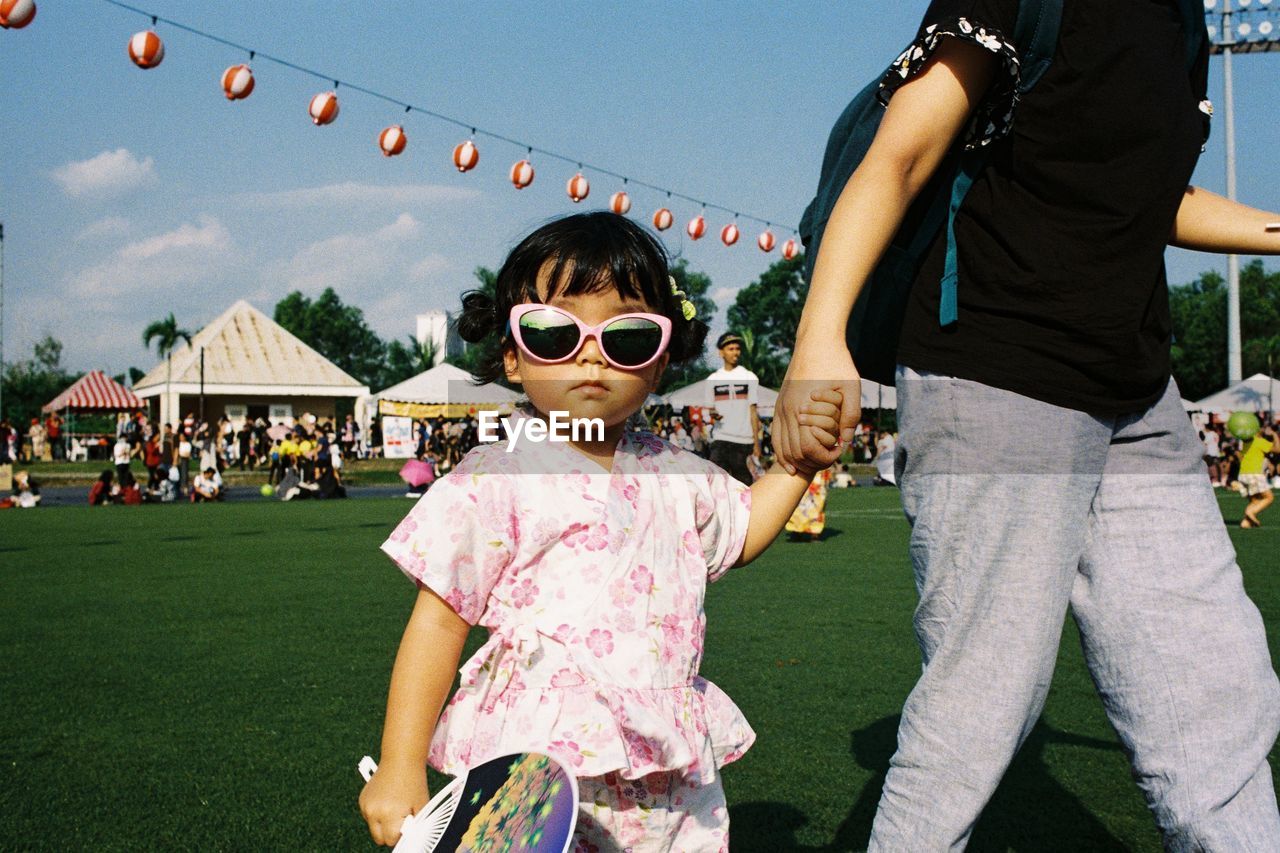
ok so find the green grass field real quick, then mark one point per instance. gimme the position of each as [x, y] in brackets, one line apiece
[207, 677]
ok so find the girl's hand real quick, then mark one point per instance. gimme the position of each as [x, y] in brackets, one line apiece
[813, 380]
[389, 797]
[820, 420]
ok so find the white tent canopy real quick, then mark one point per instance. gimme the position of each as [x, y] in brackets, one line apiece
[877, 396]
[443, 384]
[446, 383]
[874, 396]
[1258, 392]
[699, 393]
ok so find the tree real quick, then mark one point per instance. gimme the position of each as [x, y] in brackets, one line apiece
[166, 335]
[30, 383]
[695, 286]
[336, 331]
[768, 310]
[473, 355]
[405, 360]
[1199, 315]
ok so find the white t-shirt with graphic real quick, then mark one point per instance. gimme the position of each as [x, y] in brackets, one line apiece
[732, 393]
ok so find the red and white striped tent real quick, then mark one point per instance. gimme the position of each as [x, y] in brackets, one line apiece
[95, 390]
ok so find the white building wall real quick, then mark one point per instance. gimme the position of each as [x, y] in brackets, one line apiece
[437, 327]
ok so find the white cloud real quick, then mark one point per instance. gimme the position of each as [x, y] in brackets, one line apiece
[429, 266]
[110, 173]
[179, 257]
[724, 296]
[112, 226]
[210, 233]
[351, 261]
[352, 192]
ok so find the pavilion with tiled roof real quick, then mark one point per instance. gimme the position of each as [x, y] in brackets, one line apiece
[247, 365]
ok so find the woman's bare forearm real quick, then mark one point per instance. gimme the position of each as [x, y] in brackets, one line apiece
[1208, 222]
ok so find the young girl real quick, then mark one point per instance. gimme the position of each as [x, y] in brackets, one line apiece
[586, 560]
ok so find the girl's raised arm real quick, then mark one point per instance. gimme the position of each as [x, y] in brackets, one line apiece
[920, 125]
[420, 682]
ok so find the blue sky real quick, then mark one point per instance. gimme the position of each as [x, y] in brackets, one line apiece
[126, 194]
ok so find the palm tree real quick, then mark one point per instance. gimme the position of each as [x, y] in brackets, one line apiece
[166, 335]
[426, 353]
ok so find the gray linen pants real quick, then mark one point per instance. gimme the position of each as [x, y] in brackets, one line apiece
[1019, 508]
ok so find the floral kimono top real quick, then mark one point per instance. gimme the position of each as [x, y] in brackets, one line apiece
[591, 584]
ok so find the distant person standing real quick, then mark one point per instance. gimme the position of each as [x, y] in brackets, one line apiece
[120, 455]
[183, 456]
[1253, 477]
[350, 434]
[732, 392]
[37, 435]
[53, 431]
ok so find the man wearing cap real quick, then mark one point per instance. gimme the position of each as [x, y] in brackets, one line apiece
[732, 393]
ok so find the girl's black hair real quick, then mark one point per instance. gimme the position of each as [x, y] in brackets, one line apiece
[588, 253]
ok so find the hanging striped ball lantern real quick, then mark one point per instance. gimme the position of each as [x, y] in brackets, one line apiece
[465, 156]
[729, 234]
[522, 174]
[145, 49]
[237, 82]
[324, 108]
[662, 219]
[392, 140]
[790, 249]
[765, 241]
[697, 227]
[578, 188]
[16, 14]
[620, 203]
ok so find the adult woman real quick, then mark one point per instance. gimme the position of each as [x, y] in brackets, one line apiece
[1099, 498]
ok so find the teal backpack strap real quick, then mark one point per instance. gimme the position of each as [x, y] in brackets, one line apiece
[1036, 35]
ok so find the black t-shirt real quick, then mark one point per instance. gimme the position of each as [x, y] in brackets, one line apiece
[1061, 240]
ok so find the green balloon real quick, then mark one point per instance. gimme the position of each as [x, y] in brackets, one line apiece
[1243, 425]
[266, 491]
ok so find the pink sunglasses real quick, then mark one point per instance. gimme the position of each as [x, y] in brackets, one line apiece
[551, 335]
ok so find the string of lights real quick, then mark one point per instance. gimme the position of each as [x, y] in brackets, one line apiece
[147, 50]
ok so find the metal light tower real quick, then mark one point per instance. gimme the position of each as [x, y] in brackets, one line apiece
[2, 319]
[1252, 26]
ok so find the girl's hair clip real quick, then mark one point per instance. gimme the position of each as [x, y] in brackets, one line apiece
[687, 308]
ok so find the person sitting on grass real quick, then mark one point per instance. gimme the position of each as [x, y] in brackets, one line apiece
[102, 492]
[130, 494]
[207, 486]
[1253, 477]
[26, 491]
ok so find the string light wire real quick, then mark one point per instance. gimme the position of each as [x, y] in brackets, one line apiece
[465, 125]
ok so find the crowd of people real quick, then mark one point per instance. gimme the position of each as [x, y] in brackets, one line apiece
[187, 462]
[42, 439]
[1250, 467]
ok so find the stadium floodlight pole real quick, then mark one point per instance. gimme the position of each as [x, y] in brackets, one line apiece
[2, 320]
[1242, 30]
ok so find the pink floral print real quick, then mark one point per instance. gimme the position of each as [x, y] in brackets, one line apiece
[591, 584]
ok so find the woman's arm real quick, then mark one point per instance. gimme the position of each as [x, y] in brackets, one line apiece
[920, 125]
[1208, 222]
[420, 682]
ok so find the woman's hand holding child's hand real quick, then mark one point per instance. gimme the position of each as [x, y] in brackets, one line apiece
[389, 797]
